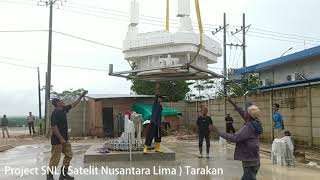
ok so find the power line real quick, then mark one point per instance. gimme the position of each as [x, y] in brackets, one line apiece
[19, 65]
[20, 31]
[264, 37]
[87, 40]
[65, 34]
[124, 13]
[294, 35]
[153, 19]
[144, 19]
[16, 2]
[281, 36]
[57, 65]
[123, 18]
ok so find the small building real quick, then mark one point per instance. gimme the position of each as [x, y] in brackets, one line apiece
[105, 109]
[102, 115]
[297, 69]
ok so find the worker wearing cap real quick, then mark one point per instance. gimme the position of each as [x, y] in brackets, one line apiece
[59, 139]
[154, 130]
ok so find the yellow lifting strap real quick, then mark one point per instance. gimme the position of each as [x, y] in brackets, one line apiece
[199, 21]
[167, 16]
[200, 31]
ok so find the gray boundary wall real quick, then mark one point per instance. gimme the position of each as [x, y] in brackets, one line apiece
[300, 107]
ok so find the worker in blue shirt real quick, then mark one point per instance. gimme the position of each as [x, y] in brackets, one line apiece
[278, 125]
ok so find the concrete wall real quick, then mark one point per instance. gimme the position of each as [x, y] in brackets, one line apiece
[301, 114]
[309, 67]
[300, 107]
[181, 107]
[77, 119]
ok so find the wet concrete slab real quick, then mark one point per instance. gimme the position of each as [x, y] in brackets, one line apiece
[5, 147]
[37, 156]
[93, 155]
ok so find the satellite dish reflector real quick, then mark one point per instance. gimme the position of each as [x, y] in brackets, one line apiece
[163, 55]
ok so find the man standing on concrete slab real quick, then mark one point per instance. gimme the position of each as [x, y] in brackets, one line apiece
[278, 125]
[4, 126]
[154, 130]
[59, 138]
[204, 122]
[30, 120]
[229, 124]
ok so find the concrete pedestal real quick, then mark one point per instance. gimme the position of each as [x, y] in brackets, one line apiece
[93, 155]
[5, 147]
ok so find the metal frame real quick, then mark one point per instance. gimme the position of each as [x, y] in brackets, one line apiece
[168, 76]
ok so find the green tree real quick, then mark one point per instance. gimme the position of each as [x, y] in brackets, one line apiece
[174, 90]
[248, 82]
[66, 95]
[204, 88]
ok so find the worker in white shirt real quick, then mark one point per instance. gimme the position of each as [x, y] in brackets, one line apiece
[30, 120]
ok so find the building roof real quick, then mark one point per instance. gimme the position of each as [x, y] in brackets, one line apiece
[115, 96]
[301, 55]
[290, 84]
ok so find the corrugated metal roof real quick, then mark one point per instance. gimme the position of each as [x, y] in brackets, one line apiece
[281, 60]
[113, 96]
[291, 84]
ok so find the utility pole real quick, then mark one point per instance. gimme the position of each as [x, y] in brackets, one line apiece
[45, 107]
[49, 3]
[224, 28]
[225, 63]
[48, 82]
[244, 39]
[244, 29]
[39, 94]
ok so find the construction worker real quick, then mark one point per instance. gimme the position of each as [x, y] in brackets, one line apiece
[60, 138]
[154, 130]
[204, 122]
[4, 126]
[278, 125]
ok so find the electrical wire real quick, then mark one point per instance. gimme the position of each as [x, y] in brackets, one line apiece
[281, 36]
[19, 65]
[17, 2]
[124, 18]
[56, 65]
[19, 31]
[287, 34]
[87, 40]
[234, 57]
[264, 37]
[152, 18]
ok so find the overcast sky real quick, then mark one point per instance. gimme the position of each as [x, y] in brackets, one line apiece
[106, 21]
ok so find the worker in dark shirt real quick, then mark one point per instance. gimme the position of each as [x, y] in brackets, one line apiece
[203, 123]
[4, 126]
[60, 139]
[229, 124]
[154, 129]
